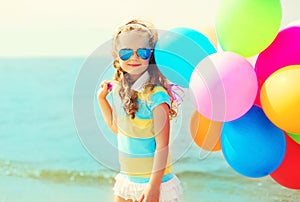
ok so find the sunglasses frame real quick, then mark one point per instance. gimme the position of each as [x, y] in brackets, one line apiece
[130, 52]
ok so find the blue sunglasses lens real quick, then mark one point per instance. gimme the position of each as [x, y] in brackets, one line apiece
[143, 53]
[125, 54]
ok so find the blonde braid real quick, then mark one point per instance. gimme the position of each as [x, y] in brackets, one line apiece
[128, 96]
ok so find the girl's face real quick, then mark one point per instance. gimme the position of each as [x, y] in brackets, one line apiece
[134, 40]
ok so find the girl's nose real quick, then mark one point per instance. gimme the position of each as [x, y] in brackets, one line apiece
[135, 55]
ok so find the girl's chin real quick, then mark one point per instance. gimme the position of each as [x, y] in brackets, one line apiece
[136, 71]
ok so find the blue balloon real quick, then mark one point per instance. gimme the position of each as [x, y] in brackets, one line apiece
[252, 145]
[178, 52]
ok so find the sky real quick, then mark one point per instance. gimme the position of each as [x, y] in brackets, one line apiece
[65, 28]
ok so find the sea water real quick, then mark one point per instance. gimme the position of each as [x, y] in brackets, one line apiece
[43, 158]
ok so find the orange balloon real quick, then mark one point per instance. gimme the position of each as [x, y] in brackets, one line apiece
[280, 98]
[205, 132]
[210, 33]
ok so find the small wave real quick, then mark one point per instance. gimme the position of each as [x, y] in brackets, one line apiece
[95, 177]
[221, 174]
[201, 174]
[16, 169]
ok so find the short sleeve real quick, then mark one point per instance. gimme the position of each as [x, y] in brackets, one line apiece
[159, 96]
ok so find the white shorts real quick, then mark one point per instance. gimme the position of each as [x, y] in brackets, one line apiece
[170, 191]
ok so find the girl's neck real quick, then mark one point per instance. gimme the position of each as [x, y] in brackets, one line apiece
[134, 77]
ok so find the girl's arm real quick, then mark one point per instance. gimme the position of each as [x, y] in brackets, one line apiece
[105, 107]
[162, 132]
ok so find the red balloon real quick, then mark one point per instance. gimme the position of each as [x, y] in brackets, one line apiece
[288, 173]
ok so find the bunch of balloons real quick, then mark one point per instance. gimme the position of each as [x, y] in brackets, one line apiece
[250, 110]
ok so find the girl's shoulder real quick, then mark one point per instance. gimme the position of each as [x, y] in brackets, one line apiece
[156, 88]
[149, 91]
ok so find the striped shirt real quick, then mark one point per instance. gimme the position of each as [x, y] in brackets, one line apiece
[136, 138]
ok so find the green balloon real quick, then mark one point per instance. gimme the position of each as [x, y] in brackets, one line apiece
[247, 27]
[295, 137]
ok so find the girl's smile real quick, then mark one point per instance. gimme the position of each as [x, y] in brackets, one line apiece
[134, 65]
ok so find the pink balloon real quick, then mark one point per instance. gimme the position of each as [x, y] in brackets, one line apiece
[223, 86]
[283, 51]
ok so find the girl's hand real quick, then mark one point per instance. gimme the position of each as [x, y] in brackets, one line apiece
[150, 194]
[105, 88]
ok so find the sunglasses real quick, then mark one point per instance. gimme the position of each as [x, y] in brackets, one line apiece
[143, 53]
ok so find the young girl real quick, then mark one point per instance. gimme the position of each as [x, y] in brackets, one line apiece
[140, 117]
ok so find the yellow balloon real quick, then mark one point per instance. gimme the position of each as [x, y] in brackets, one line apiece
[280, 98]
[205, 132]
